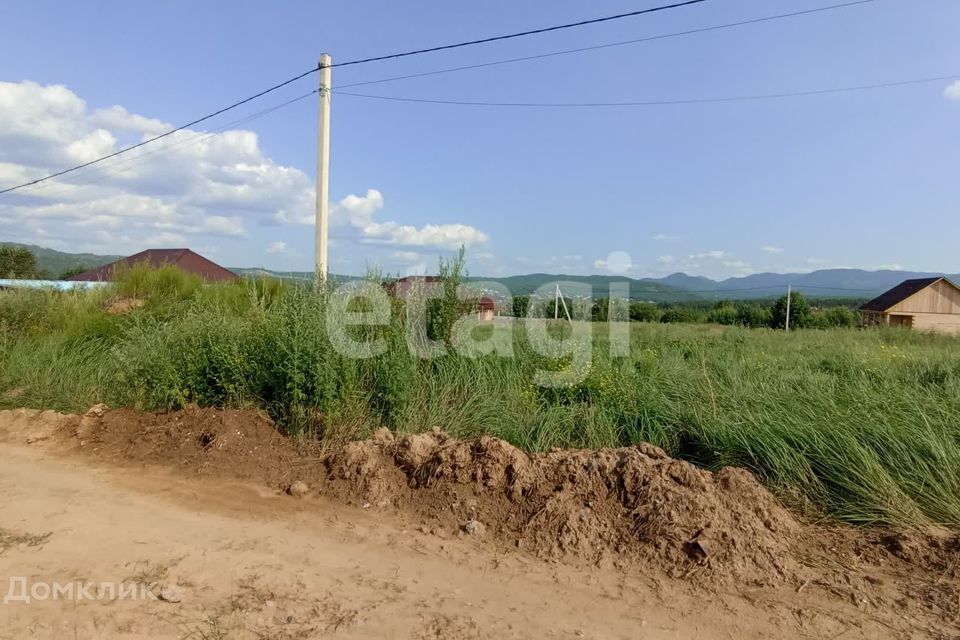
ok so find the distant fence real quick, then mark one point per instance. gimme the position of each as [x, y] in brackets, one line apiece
[59, 285]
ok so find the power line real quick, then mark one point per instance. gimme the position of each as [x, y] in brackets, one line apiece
[404, 54]
[608, 45]
[649, 103]
[108, 170]
[160, 136]
[521, 34]
[528, 58]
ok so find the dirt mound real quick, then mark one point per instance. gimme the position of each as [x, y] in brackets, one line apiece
[612, 505]
[616, 506]
[608, 504]
[242, 444]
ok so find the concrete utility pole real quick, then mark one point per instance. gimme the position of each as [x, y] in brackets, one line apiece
[789, 296]
[323, 169]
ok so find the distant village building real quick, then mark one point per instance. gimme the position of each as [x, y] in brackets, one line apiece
[925, 304]
[401, 287]
[484, 306]
[486, 309]
[183, 259]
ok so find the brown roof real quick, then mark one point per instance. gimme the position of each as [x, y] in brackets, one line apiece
[184, 259]
[401, 287]
[900, 293]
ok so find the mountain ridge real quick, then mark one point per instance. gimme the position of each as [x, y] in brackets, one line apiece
[822, 283]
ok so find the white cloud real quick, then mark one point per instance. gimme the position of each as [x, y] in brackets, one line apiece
[711, 255]
[166, 240]
[952, 92]
[740, 266]
[191, 185]
[277, 247]
[116, 117]
[771, 249]
[662, 237]
[714, 263]
[408, 257]
[615, 262]
[357, 212]
[448, 236]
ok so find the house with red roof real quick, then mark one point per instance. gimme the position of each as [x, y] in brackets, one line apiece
[183, 259]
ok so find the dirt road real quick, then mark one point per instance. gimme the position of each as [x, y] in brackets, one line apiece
[246, 561]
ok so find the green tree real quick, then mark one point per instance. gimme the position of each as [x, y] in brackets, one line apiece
[800, 313]
[600, 310]
[839, 317]
[724, 313]
[521, 305]
[644, 312]
[18, 263]
[679, 314]
[554, 307]
[443, 313]
[753, 315]
[71, 271]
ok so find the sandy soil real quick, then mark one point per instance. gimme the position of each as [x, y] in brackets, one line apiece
[245, 560]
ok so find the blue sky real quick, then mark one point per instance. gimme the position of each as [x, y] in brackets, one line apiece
[862, 179]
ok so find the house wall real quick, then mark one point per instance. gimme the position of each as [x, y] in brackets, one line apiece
[939, 322]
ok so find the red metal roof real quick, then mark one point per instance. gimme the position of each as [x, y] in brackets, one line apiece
[184, 259]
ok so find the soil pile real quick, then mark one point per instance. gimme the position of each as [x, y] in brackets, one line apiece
[241, 444]
[598, 505]
[625, 507]
[612, 505]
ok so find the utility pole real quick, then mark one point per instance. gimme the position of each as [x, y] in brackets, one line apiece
[323, 170]
[556, 301]
[789, 296]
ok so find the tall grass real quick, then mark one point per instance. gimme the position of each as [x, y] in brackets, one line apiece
[860, 425]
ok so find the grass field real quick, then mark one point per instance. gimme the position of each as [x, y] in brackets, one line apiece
[860, 425]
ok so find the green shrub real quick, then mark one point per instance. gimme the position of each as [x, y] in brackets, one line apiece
[161, 286]
[800, 313]
[724, 313]
[644, 312]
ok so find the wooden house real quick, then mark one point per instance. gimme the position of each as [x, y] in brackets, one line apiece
[925, 304]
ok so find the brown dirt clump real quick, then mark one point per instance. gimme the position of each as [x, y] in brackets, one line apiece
[120, 306]
[242, 444]
[614, 505]
[608, 504]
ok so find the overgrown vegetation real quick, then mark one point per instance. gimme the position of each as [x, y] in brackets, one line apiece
[804, 313]
[858, 424]
[18, 263]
